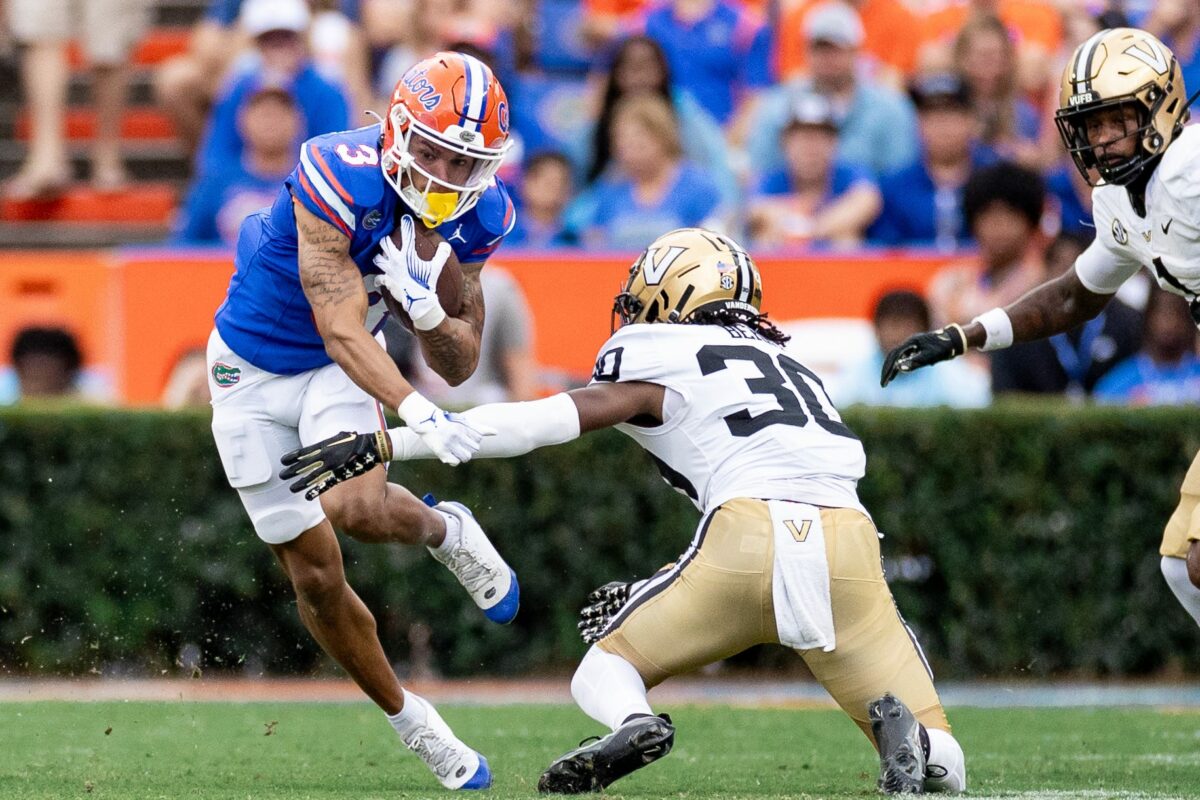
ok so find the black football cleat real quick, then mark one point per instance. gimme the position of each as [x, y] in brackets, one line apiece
[901, 756]
[597, 762]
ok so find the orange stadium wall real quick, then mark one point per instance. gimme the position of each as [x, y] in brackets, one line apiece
[137, 310]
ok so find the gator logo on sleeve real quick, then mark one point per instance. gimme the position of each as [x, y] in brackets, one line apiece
[225, 375]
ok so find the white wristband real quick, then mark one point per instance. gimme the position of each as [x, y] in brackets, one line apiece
[415, 408]
[998, 328]
[430, 319]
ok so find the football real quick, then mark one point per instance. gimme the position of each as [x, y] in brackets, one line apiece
[450, 282]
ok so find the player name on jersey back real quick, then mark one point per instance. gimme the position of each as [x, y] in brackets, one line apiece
[742, 417]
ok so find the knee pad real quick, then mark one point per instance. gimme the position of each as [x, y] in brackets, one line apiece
[280, 524]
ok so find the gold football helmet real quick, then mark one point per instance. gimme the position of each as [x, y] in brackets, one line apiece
[687, 271]
[1115, 68]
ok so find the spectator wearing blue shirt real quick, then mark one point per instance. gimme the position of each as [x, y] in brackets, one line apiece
[815, 198]
[186, 85]
[1166, 370]
[877, 127]
[719, 52]
[640, 66]
[278, 29]
[898, 315]
[653, 188]
[922, 203]
[545, 192]
[269, 124]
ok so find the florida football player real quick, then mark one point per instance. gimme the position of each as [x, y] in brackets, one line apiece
[294, 358]
[1122, 111]
[784, 552]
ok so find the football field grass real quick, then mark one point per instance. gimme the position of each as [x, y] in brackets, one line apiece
[295, 750]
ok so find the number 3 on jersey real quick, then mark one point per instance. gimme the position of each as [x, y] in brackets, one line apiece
[361, 156]
[793, 400]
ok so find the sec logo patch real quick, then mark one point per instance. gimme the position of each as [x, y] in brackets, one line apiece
[1118, 232]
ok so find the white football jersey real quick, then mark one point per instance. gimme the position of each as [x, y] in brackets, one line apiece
[741, 417]
[1166, 241]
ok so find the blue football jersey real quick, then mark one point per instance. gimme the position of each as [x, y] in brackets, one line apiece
[266, 319]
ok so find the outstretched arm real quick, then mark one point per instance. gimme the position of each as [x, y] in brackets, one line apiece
[1053, 307]
[518, 428]
[521, 427]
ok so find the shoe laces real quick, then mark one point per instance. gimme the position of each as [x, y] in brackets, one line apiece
[434, 750]
[472, 573]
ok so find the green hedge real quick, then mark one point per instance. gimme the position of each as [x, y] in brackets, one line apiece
[1022, 541]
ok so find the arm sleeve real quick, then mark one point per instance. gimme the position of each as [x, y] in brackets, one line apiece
[520, 427]
[1102, 270]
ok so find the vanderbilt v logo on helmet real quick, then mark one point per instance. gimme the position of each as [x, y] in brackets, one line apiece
[1121, 68]
[687, 271]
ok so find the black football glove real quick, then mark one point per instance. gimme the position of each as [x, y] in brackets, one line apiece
[922, 350]
[602, 605]
[339, 458]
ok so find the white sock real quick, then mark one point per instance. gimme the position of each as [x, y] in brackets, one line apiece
[453, 534]
[419, 723]
[946, 767]
[1175, 571]
[608, 688]
[414, 715]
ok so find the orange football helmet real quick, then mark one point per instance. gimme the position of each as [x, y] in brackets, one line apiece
[454, 101]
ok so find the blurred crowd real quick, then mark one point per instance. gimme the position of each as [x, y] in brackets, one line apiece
[793, 124]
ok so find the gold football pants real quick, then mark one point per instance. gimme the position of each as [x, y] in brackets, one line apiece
[1183, 527]
[717, 601]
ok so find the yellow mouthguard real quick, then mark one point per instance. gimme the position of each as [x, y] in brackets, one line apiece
[438, 206]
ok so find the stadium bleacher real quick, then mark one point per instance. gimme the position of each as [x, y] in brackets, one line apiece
[157, 164]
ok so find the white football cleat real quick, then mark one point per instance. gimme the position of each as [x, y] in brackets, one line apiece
[455, 765]
[479, 567]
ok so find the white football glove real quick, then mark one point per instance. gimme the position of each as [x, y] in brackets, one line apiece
[411, 279]
[449, 436]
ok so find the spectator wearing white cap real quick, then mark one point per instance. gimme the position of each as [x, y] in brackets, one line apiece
[876, 124]
[281, 60]
[107, 31]
[814, 199]
[186, 85]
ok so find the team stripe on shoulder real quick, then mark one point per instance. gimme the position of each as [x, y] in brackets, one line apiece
[315, 197]
[327, 193]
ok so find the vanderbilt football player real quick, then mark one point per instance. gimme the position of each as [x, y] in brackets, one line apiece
[785, 552]
[1121, 115]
